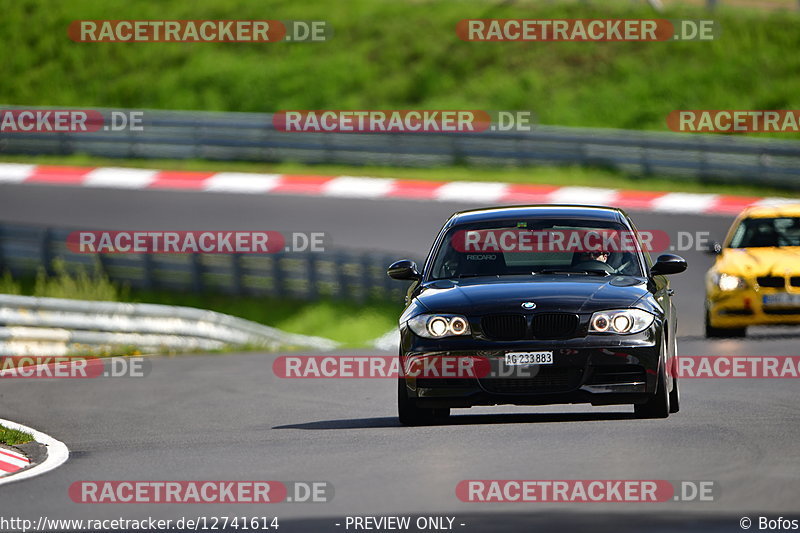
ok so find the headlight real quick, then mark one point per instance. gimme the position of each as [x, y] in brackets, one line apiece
[727, 282]
[621, 321]
[438, 326]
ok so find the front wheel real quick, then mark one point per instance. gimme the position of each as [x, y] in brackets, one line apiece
[658, 405]
[674, 397]
[675, 394]
[411, 415]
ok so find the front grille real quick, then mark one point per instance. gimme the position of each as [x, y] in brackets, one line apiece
[795, 281]
[446, 383]
[771, 281]
[790, 311]
[554, 325]
[549, 379]
[505, 327]
[735, 312]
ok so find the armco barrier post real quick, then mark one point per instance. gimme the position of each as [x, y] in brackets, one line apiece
[46, 257]
[278, 278]
[312, 292]
[147, 271]
[197, 272]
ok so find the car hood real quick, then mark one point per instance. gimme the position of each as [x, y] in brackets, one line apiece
[579, 294]
[751, 262]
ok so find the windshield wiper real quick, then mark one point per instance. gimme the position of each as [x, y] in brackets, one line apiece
[590, 271]
[497, 275]
[586, 272]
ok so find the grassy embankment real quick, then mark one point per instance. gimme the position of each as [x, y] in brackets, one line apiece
[394, 55]
[387, 55]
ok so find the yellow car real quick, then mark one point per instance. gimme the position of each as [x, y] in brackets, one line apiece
[756, 277]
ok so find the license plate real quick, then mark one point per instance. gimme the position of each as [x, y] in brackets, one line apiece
[529, 358]
[782, 299]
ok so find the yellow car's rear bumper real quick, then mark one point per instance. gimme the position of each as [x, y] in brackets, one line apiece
[742, 308]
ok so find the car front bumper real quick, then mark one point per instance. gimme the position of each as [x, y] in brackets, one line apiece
[742, 308]
[599, 372]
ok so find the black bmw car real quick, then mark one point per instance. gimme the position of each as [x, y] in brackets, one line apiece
[552, 304]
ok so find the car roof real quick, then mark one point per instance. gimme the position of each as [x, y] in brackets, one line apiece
[771, 211]
[585, 212]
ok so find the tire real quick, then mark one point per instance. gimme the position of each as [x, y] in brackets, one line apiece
[411, 415]
[717, 333]
[675, 397]
[675, 393]
[658, 405]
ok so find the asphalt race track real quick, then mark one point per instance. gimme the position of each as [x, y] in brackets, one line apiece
[227, 417]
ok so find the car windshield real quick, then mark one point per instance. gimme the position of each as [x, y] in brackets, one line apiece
[530, 247]
[767, 232]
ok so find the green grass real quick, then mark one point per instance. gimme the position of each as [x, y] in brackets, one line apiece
[349, 323]
[64, 282]
[12, 437]
[561, 176]
[388, 54]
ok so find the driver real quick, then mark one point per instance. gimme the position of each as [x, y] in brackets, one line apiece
[601, 256]
[593, 260]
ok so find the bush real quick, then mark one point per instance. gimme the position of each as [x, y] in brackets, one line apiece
[79, 284]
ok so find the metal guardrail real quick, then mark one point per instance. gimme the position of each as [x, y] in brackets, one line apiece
[348, 275]
[712, 4]
[58, 326]
[252, 137]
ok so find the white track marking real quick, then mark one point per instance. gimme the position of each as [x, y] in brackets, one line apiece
[583, 196]
[242, 182]
[355, 187]
[120, 178]
[679, 202]
[57, 453]
[471, 191]
[15, 172]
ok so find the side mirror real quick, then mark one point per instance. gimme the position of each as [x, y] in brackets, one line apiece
[668, 264]
[714, 248]
[404, 270]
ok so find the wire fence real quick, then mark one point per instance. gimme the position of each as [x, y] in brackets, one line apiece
[342, 274]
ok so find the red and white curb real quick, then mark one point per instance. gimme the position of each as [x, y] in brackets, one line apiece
[477, 192]
[12, 461]
[57, 454]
